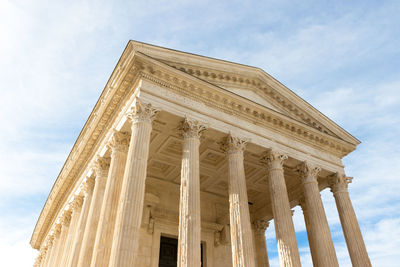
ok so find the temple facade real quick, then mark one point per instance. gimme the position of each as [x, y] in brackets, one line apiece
[185, 160]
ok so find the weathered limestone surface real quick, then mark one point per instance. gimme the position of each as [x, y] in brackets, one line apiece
[102, 248]
[76, 246]
[189, 208]
[56, 244]
[322, 246]
[101, 167]
[129, 214]
[260, 226]
[76, 207]
[284, 228]
[241, 233]
[351, 229]
[65, 221]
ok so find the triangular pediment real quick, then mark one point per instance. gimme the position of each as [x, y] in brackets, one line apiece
[248, 82]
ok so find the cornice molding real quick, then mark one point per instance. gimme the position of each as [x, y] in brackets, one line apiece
[118, 85]
[221, 99]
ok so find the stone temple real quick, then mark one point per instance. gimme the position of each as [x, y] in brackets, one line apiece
[185, 160]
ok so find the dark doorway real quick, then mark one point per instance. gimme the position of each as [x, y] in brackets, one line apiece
[169, 252]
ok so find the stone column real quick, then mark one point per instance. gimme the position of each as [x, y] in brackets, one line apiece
[130, 208]
[102, 248]
[100, 167]
[43, 255]
[56, 244]
[189, 235]
[65, 221]
[351, 229]
[260, 226]
[241, 233]
[284, 228]
[76, 246]
[76, 207]
[320, 235]
[308, 227]
[50, 250]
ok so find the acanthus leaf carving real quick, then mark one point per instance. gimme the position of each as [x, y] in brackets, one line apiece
[233, 144]
[339, 182]
[191, 128]
[142, 112]
[308, 173]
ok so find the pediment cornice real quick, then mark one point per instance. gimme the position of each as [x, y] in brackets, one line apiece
[224, 100]
[229, 74]
[121, 80]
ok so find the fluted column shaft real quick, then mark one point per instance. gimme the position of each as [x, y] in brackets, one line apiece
[65, 221]
[50, 250]
[76, 246]
[309, 232]
[260, 242]
[189, 236]
[76, 206]
[129, 213]
[105, 229]
[351, 229]
[241, 232]
[101, 167]
[284, 228]
[322, 247]
[56, 245]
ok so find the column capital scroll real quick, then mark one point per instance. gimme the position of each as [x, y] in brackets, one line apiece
[191, 128]
[233, 144]
[119, 141]
[100, 166]
[77, 202]
[66, 218]
[339, 182]
[142, 112]
[260, 226]
[88, 185]
[308, 172]
[57, 230]
[273, 159]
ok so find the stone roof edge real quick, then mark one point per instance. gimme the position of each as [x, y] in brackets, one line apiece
[120, 69]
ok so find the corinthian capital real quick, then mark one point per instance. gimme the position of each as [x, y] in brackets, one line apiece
[142, 112]
[308, 172]
[273, 159]
[100, 166]
[66, 218]
[233, 144]
[260, 226]
[339, 182]
[77, 202]
[88, 185]
[192, 128]
[120, 141]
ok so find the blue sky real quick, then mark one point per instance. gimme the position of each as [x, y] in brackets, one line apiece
[340, 56]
